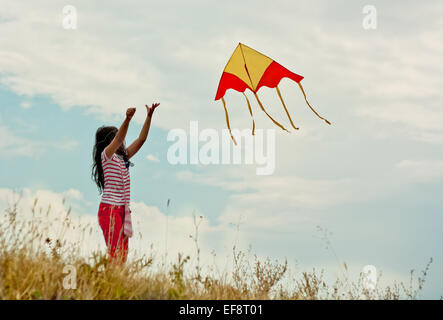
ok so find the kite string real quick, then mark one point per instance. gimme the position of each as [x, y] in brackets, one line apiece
[227, 120]
[261, 106]
[250, 112]
[284, 106]
[304, 94]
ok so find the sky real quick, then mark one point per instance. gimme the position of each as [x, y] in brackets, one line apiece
[373, 178]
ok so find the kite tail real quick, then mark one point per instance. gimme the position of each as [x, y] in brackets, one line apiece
[261, 106]
[304, 94]
[250, 112]
[284, 106]
[227, 120]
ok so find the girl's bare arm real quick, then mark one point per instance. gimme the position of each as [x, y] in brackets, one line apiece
[137, 144]
[120, 135]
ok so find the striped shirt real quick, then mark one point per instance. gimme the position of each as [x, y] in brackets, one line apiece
[117, 180]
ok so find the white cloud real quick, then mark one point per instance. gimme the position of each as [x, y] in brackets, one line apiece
[72, 67]
[417, 121]
[151, 226]
[282, 202]
[50, 210]
[390, 77]
[276, 202]
[26, 105]
[64, 144]
[384, 84]
[152, 158]
[14, 145]
[421, 170]
[113, 60]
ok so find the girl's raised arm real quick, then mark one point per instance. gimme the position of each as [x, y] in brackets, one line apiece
[120, 135]
[137, 144]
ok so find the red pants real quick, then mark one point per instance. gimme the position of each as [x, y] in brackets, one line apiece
[110, 218]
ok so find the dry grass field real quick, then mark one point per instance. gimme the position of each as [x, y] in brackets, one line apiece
[32, 266]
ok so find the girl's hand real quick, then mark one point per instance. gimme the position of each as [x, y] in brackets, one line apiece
[130, 113]
[151, 109]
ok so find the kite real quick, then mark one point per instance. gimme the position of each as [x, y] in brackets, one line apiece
[250, 69]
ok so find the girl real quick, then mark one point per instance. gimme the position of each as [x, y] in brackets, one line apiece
[110, 171]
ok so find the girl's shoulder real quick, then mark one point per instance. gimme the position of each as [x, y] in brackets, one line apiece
[114, 158]
[105, 158]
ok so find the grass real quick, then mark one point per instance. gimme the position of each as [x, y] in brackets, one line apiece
[37, 263]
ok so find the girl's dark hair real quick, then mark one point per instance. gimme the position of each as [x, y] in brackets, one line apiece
[103, 138]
